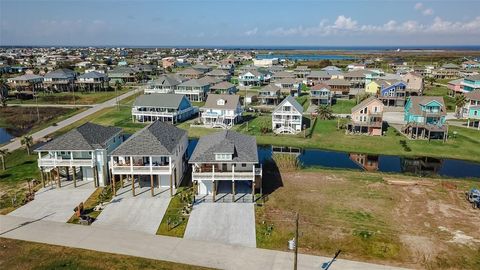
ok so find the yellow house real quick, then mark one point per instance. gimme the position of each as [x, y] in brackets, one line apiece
[373, 87]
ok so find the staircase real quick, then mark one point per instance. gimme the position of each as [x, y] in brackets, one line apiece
[285, 129]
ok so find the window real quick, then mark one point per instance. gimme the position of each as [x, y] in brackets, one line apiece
[220, 102]
[223, 156]
[244, 165]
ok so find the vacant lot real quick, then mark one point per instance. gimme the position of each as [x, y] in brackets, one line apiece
[84, 98]
[420, 226]
[15, 254]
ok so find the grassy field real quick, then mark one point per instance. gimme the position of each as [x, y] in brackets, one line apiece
[304, 101]
[370, 220]
[24, 255]
[174, 223]
[83, 98]
[343, 106]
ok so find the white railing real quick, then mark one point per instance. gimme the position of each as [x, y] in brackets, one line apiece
[285, 129]
[127, 169]
[224, 175]
[157, 91]
[51, 162]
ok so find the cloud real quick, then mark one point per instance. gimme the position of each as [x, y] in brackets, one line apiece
[347, 26]
[424, 10]
[251, 32]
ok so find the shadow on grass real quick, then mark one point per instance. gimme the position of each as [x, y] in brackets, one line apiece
[406, 148]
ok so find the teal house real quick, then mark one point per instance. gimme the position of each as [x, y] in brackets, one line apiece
[425, 118]
[472, 109]
[471, 83]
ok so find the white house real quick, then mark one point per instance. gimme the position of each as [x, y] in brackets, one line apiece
[265, 62]
[164, 84]
[221, 110]
[225, 166]
[80, 154]
[194, 90]
[153, 157]
[171, 108]
[252, 78]
[287, 116]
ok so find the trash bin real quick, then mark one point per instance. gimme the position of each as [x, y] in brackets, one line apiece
[291, 244]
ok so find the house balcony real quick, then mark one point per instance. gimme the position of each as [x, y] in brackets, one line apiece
[141, 168]
[198, 174]
[60, 162]
[158, 90]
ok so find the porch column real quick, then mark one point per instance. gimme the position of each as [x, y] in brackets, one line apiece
[95, 176]
[468, 122]
[233, 182]
[133, 186]
[74, 176]
[214, 189]
[151, 184]
[67, 171]
[121, 180]
[42, 177]
[59, 184]
[113, 185]
[171, 185]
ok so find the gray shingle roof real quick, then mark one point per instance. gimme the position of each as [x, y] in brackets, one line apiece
[92, 74]
[292, 101]
[63, 73]
[156, 139]
[223, 85]
[166, 80]
[194, 83]
[88, 136]
[243, 147]
[159, 100]
[231, 101]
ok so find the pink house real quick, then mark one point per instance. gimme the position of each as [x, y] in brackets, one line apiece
[367, 118]
[455, 86]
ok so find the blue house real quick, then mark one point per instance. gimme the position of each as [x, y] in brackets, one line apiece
[472, 109]
[425, 117]
[471, 83]
[392, 92]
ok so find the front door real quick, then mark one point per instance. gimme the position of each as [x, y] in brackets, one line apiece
[224, 167]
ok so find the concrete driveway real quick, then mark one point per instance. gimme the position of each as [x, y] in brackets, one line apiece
[142, 213]
[229, 223]
[56, 204]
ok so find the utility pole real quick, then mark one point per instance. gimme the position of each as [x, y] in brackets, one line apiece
[295, 259]
[334, 257]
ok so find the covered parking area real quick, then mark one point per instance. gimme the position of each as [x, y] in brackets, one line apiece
[225, 191]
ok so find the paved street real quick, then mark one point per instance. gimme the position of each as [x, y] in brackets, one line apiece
[56, 204]
[142, 213]
[172, 249]
[51, 129]
[228, 223]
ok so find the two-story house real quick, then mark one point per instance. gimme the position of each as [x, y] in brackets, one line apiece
[225, 166]
[26, 82]
[415, 83]
[191, 73]
[222, 111]
[471, 110]
[194, 90]
[392, 93]
[367, 118]
[340, 87]
[164, 84]
[425, 118]
[287, 117]
[80, 154]
[220, 74]
[252, 78]
[171, 108]
[92, 81]
[321, 94]
[123, 74]
[155, 157]
[289, 86]
[269, 95]
[224, 87]
[60, 80]
[471, 83]
[301, 72]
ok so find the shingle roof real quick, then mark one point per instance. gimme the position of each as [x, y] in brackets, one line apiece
[423, 100]
[473, 95]
[26, 77]
[337, 82]
[157, 139]
[209, 80]
[217, 72]
[159, 100]
[194, 83]
[166, 80]
[283, 74]
[292, 101]
[61, 73]
[270, 88]
[473, 77]
[364, 103]
[92, 75]
[243, 147]
[321, 86]
[223, 85]
[88, 136]
[231, 101]
[190, 71]
[319, 74]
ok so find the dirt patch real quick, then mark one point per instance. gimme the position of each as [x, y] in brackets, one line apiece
[422, 247]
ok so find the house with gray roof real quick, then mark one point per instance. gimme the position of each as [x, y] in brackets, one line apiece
[171, 108]
[287, 117]
[27, 82]
[253, 77]
[80, 154]
[59, 80]
[164, 84]
[194, 90]
[226, 165]
[269, 95]
[92, 81]
[221, 111]
[191, 73]
[123, 74]
[153, 157]
[224, 87]
[289, 86]
[220, 74]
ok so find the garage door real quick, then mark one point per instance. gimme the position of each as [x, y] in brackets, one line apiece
[205, 187]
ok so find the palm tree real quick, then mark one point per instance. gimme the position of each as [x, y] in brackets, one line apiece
[3, 154]
[28, 142]
[431, 80]
[324, 112]
[460, 101]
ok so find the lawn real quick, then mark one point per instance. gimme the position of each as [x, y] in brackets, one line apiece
[343, 106]
[174, 222]
[370, 220]
[24, 255]
[304, 101]
[81, 98]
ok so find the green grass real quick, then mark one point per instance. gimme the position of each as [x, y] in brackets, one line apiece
[173, 215]
[304, 101]
[343, 106]
[18, 254]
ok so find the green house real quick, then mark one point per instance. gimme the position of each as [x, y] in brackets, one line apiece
[425, 117]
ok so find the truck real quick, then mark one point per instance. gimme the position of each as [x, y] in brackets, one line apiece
[473, 196]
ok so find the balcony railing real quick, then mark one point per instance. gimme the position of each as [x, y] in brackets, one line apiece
[138, 169]
[227, 175]
[52, 162]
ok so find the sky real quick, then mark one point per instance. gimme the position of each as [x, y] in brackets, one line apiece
[239, 22]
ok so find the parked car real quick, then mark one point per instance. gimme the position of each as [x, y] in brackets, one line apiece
[473, 196]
